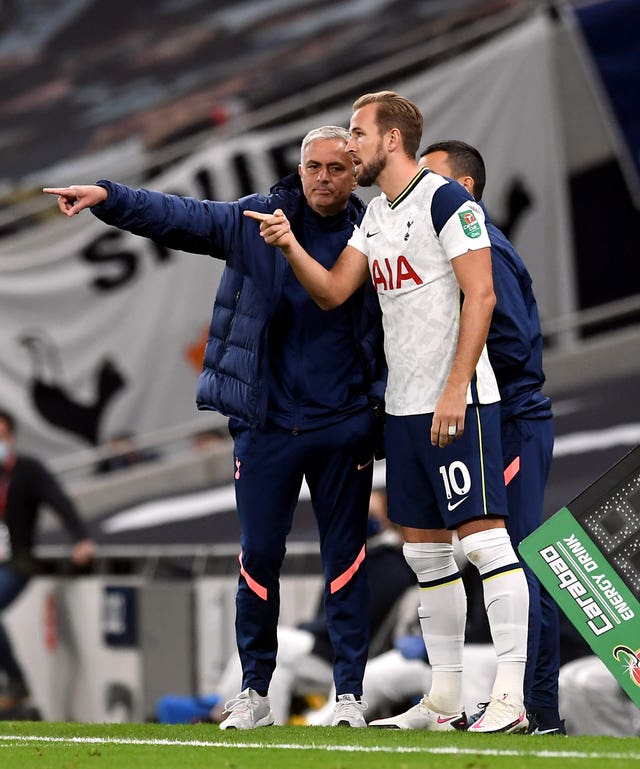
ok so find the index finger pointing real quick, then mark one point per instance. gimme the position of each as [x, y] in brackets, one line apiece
[257, 215]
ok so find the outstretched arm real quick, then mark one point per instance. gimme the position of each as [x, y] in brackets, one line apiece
[328, 288]
[174, 221]
[72, 200]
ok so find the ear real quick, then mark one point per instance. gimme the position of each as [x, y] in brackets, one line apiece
[394, 139]
[468, 184]
[300, 170]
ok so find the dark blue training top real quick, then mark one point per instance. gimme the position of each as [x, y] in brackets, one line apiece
[316, 374]
[515, 337]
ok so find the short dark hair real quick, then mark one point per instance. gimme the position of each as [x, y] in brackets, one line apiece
[395, 111]
[7, 417]
[464, 160]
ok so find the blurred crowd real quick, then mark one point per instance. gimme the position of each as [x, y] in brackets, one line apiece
[107, 73]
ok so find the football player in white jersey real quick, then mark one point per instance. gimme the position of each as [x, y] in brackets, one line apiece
[424, 242]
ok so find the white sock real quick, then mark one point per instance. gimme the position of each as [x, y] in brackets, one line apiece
[443, 614]
[506, 599]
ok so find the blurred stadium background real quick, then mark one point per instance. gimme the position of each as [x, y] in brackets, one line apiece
[102, 334]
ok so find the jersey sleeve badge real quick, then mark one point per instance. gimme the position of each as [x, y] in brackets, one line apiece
[470, 225]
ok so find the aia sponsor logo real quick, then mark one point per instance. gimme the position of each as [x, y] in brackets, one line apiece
[388, 274]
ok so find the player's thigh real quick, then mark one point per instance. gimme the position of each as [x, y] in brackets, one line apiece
[467, 475]
[411, 499]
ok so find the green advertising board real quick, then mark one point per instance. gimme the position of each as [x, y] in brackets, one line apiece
[587, 556]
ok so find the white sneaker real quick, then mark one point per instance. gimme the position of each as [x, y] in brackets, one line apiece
[348, 712]
[501, 715]
[247, 711]
[423, 716]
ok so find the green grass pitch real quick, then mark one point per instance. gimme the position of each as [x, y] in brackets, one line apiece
[26, 745]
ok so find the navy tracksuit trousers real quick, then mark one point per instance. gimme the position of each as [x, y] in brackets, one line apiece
[270, 465]
[528, 447]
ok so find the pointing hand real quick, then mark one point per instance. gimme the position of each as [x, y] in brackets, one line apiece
[71, 200]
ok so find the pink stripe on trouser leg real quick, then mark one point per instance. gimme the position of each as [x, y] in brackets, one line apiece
[342, 580]
[257, 588]
[511, 471]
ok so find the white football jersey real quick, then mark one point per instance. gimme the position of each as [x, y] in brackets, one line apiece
[409, 243]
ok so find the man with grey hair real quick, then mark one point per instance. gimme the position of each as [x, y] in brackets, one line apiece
[303, 390]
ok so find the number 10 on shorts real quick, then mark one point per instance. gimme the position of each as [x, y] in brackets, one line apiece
[456, 479]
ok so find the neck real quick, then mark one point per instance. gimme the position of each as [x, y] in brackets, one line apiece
[396, 175]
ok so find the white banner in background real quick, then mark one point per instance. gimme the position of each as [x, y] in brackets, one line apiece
[102, 331]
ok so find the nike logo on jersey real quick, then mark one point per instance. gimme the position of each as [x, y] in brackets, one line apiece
[452, 505]
[371, 234]
[366, 464]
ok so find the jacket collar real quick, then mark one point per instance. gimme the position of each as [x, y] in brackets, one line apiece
[291, 188]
